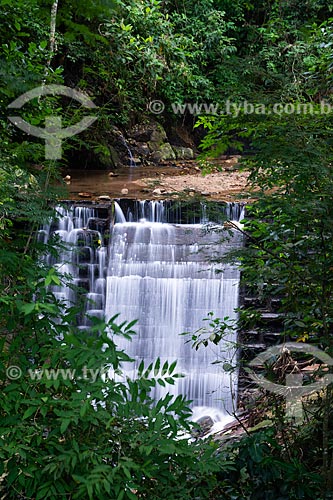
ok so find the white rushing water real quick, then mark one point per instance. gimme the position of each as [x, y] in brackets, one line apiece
[160, 274]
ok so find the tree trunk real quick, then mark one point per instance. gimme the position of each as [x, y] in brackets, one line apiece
[53, 46]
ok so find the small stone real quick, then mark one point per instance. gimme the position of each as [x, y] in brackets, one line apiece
[157, 191]
[124, 191]
[67, 178]
[104, 197]
[205, 424]
[205, 193]
[85, 195]
[113, 174]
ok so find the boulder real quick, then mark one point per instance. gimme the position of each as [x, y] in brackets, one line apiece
[108, 156]
[114, 157]
[164, 152]
[183, 153]
[145, 132]
[156, 157]
[205, 424]
[158, 134]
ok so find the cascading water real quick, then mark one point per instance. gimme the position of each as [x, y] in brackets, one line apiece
[161, 274]
[82, 256]
[130, 155]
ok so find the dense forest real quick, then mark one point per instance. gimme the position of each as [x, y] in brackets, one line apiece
[263, 70]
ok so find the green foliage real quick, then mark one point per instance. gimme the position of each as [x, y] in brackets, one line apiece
[265, 470]
[288, 233]
[73, 426]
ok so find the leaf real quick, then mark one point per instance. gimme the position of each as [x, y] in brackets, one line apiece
[172, 367]
[130, 324]
[84, 408]
[127, 472]
[29, 412]
[157, 367]
[141, 368]
[64, 425]
[28, 308]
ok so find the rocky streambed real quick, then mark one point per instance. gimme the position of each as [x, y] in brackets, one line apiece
[166, 180]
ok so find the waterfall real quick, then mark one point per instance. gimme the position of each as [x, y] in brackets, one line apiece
[82, 256]
[130, 155]
[162, 273]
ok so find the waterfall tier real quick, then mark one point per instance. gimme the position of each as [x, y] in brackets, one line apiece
[164, 275]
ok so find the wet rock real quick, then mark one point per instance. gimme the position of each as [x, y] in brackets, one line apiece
[140, 149]
[114, 157]
[206, 193]
[67, 178]
[104, 197]
[124, 191]
[113, 174]
[205, 424]
[85, 195]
